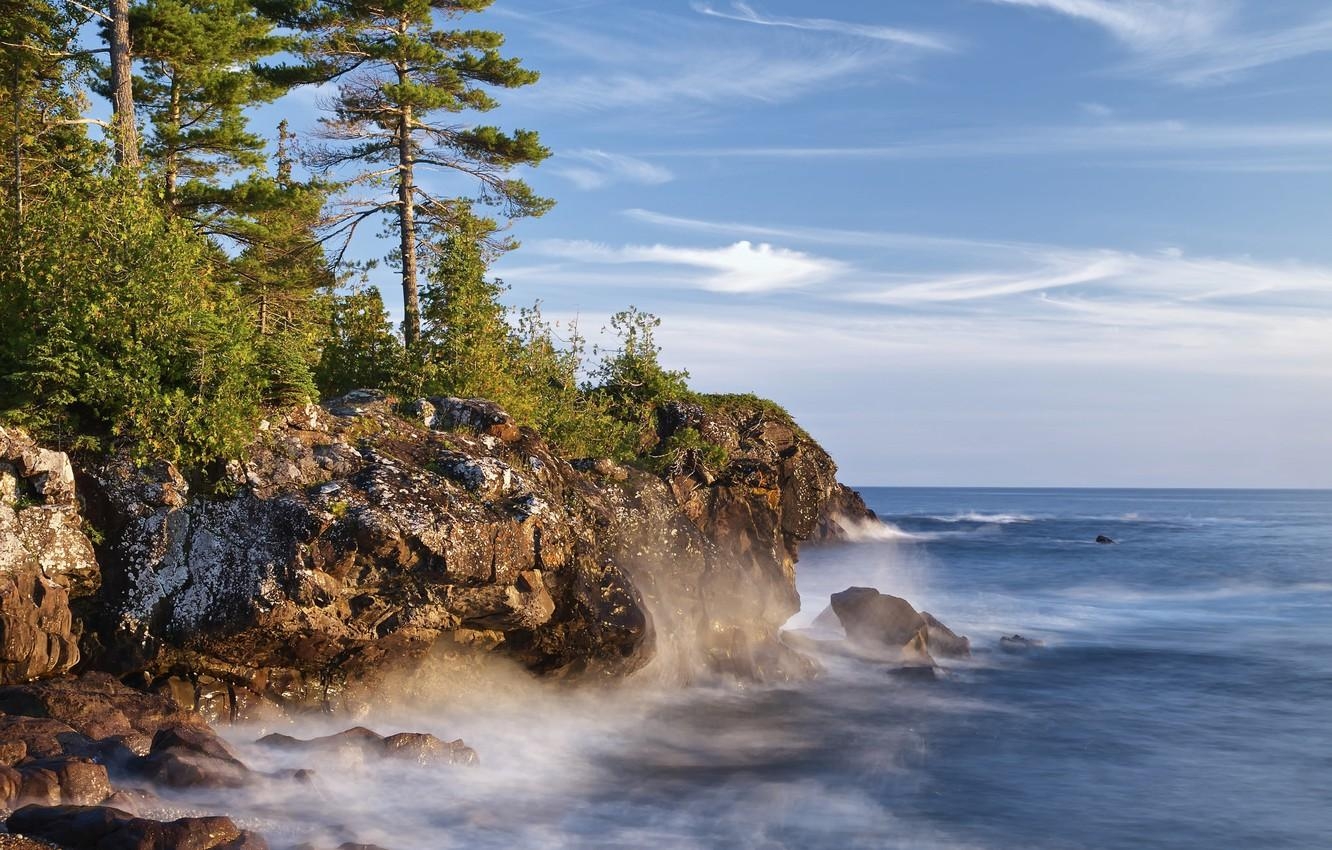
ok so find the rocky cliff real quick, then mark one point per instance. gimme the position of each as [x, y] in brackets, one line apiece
[357, 540]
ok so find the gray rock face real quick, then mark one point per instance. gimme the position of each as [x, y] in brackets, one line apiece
[45, 559]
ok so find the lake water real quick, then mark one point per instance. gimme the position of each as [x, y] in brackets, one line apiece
[1183, 699]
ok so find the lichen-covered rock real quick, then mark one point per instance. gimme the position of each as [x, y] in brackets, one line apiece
[353, 542]
[45, 559]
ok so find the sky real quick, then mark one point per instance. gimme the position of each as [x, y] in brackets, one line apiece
[964, 242]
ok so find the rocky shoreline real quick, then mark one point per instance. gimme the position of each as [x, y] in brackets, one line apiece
[362, 543]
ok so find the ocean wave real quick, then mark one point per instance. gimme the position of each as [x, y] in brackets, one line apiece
[878, 531]
[988, 519]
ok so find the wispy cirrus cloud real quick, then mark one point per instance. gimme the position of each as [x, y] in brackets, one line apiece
[742, 267]
[1193, 42]
[591, 168]
[746, 13]
[1277, 146]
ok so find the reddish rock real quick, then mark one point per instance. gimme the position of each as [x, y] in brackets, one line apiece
[105, 828]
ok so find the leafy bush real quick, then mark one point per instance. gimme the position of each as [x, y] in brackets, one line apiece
[118, 331]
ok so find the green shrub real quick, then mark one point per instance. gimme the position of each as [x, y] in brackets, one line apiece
[118, 331]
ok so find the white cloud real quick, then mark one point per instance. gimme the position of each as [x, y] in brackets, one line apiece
[1272, 143]
[1143, 24]
[595, 169]
[743, 267]
[1193, 42]
[910, 38]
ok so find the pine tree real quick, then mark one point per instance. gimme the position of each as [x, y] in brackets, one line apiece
[199, 71]
[282, 272]
[41, 130]
[467, 345]
[402, 78]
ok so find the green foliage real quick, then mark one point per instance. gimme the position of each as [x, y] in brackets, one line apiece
[198, 73]
[683, 451]
[360, 351]
[631, 381]
[119, 330]
[402, 80]
[281, 275]
[468, 348]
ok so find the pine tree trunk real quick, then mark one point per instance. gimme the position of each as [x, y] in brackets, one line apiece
[122, 87]
[411, 320]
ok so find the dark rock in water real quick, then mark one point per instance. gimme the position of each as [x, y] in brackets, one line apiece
[185, 757]
[915, 672]
[1016, 644]
[1103, 540]
[943, 640]
[105, 828]
[871, 618]
[361, 743]
[845, 508]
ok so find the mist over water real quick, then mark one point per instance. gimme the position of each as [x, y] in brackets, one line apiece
[1182, 701]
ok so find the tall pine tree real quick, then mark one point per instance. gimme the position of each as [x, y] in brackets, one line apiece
[404, 82]
[199, 70]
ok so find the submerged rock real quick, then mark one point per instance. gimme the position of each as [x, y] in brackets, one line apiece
[1016, 644]
[1103, 540]
[359, 744]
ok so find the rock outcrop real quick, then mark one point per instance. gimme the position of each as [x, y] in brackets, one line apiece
[45, 560]
[353, 542]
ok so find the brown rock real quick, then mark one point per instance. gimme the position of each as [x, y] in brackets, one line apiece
[105, 828]
[189, 757]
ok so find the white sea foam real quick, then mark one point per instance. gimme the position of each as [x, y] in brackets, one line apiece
[988, 519]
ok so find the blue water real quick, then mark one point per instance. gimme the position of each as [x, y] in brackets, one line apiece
[1185, 696]
[1183, 700]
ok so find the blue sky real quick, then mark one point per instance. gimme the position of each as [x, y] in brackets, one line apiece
[973, 242]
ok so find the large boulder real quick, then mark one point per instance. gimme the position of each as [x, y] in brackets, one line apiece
[45, 560]
[878, 620]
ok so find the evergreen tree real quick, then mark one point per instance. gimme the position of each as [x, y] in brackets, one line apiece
[468, 346]
[120, 330]
[199, 71]
[401, 78]
[41, 131]
[360, 349]
[282, 272]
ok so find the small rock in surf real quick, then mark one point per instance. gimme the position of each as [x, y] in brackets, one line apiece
[1017, 644]
[1103, 540]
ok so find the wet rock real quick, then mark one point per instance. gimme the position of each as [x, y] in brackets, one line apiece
[871, 617]
[1017, 644]
[360, 744]
[105, 828]
[944, 641]
[875, 619]
[1103, 540]
[185, 757]
[98, 707]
